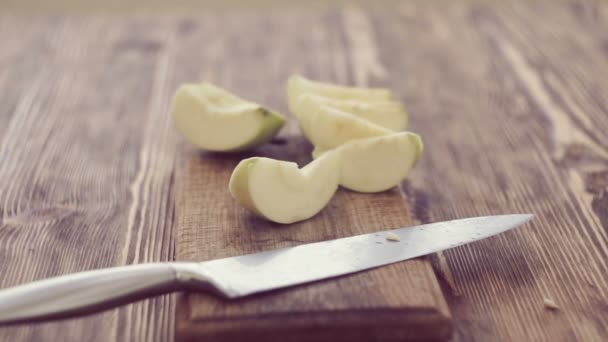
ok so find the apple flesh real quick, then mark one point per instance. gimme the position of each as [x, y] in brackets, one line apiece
[298, 85]
[327, 127]
[213, 119]
[378, 163]
[280, 192]
[388, 114]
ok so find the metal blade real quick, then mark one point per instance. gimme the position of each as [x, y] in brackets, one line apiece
[248, 274]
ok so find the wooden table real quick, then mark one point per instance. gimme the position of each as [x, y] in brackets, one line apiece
[511, 100]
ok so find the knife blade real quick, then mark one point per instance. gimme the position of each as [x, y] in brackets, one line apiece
[93, 291]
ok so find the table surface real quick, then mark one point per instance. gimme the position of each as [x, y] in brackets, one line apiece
[511, 100]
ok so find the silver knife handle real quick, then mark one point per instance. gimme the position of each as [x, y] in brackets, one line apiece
[86, 292]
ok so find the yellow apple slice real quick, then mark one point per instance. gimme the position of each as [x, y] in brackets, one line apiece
[327, 127]
[388, 114]
[216, 120]
[298, 85]
[280, 192]
[378, 163]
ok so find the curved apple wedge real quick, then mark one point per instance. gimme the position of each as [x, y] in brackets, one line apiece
[327, 127]
[379, 163]
[298, 85]
[216, 120]
[280, 192]
[388, 114]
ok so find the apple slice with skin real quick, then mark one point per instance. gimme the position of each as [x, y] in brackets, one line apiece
[378, 163]
[298, 85]
[280, 192]
[327, 127]
[216, 120]
[388, 114]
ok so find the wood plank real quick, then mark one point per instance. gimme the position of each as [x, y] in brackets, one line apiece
[400, 301]
[85, 162]
[509, 100]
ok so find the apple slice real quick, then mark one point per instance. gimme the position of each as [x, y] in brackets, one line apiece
[327, 127]
[216, 120]
[388, 114]
[298, 85]
[280, 192]
[378, 163]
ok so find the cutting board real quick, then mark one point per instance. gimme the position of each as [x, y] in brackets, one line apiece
[398, 302]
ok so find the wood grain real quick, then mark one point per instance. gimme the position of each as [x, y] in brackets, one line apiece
[85, 163]
[397, 302]
[509, 100]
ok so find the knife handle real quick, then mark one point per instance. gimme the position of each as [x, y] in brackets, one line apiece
[87, 292]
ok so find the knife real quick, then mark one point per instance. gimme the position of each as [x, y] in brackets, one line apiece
[92, 291]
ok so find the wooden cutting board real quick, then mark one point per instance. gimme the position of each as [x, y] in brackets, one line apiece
[393, 303]
[396, 302]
